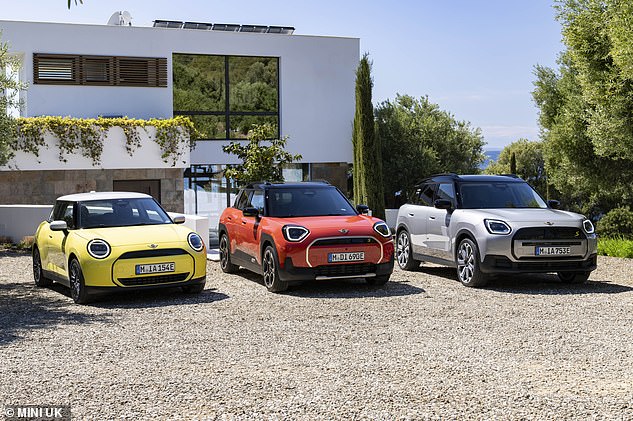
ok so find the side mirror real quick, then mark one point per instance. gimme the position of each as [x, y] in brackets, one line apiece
[178, 219]
[251, 212]
[362, 209]
[58, 226]
[443, 204]
[554, 204]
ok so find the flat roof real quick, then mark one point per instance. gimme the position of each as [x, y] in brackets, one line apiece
[104, 195]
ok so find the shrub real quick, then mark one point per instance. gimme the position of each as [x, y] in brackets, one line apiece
[618, 223]
[615, 247]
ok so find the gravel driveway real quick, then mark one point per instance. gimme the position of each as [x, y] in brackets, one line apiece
[423, 347]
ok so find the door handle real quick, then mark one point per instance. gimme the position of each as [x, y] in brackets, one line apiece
[411, 214]
[229, 218]
[432, 217]
[50, 236]
[243, 222]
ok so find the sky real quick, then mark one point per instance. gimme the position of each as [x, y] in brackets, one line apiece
[475, 58]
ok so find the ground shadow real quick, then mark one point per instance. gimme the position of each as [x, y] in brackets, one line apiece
[24, 307]
[534, 283]
[162, 297]
[340, 288]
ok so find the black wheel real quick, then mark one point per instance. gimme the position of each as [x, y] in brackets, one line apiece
[404, 252]
[573, 277]
[77, 284]
[225, 256]
[467, 260]
[270, 270]
[193, 289]
[38, 272]
[378, 280]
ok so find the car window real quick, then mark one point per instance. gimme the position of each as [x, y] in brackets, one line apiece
[67, 215]
[499, 195]
[121, 213]
[426, 195]
[257, 200]
[446, 191]
[241, 202]
[321, 201]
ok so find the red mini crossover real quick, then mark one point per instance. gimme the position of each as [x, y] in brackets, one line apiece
[292, 232]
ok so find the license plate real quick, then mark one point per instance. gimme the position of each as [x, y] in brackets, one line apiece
[155, 268]
[552, 251]
[346, 257]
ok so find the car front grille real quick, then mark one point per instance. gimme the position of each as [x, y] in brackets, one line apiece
[153, 280]
[356, 269]
[344, 241]
[140, 254]
[550, 233]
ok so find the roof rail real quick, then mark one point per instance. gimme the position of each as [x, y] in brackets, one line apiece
[510, 175]
[319, 180]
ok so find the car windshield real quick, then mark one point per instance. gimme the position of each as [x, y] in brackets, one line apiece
[499, 195]
[121, 213]
[322, 201]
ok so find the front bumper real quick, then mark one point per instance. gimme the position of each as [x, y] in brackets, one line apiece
[291, 273]
[113, 288]
[501, 264]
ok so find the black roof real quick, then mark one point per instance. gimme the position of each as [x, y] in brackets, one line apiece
[291, 185]
[508, 178]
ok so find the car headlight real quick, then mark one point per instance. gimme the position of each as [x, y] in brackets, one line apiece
[588, 226]
[295, 233]
[382, 229]
[497, 227]
[195, 241]
[99, 249]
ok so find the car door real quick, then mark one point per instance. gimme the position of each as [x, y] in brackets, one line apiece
[232, 222]
[57, 239]
[419, 218]
[240, 225]
[250, 226]
[438, 239]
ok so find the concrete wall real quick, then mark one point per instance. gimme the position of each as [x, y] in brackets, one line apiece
[114, 155]
[19, 221]
[316, 79]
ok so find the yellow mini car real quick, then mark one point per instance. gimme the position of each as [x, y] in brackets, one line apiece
[116, 241]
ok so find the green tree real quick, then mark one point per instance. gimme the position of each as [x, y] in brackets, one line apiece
[368, 187]
[259, 162]
[585, 106]
[529, 163]
[10, 85]
[419, 139]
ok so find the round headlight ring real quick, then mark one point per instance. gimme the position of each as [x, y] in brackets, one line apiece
[195, 241]
[99, 249]
[383, 229]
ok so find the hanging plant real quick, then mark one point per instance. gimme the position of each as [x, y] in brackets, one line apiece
[86, 136]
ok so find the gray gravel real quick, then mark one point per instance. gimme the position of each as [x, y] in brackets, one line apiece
[423, 347]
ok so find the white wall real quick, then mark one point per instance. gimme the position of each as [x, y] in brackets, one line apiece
[114, 155]
[316, 79]
[18, 221]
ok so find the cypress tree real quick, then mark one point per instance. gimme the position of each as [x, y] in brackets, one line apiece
[513, 163]
[368, 186]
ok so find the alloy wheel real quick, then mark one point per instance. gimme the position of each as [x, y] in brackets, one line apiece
[75, 281]
[402, 249]
[465, 262]
[37, 266]
[269, 268]
[224, 252]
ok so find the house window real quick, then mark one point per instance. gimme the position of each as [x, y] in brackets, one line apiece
[99, 70]
[226, 95]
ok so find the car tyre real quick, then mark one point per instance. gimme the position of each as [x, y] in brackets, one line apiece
[78, 290]
[404, 252]
[225, 255]
[467, 261]
[38, 271]
[270, 270]
[573, 277]
[378, 281]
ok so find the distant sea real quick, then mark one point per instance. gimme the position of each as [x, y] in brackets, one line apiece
[491, 155]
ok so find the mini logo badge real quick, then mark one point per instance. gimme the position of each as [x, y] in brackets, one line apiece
[549, 223]
[343, 231]
[152, 246]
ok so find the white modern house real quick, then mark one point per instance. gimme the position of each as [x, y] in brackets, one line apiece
[224, 77]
